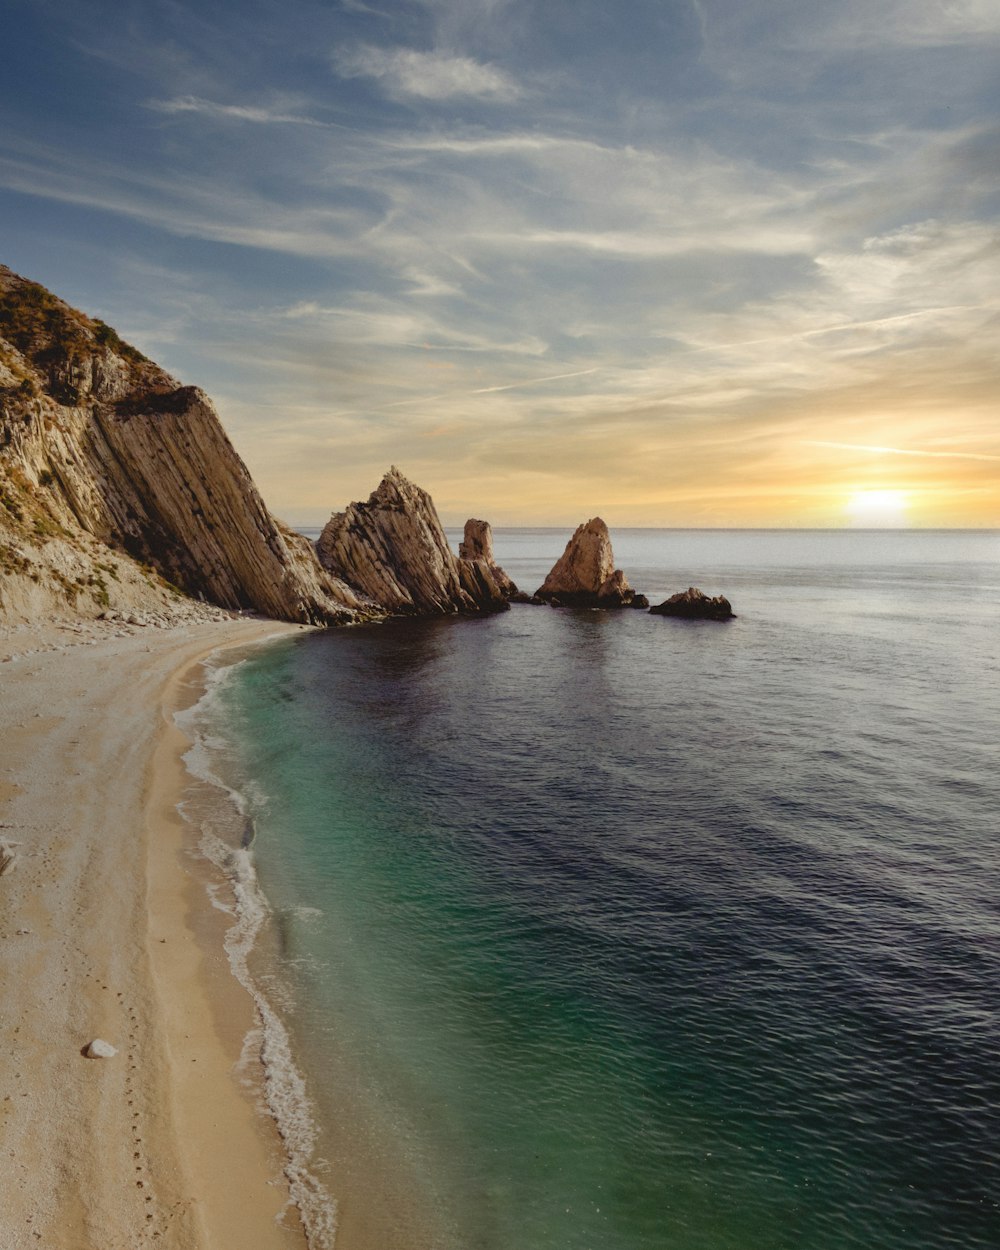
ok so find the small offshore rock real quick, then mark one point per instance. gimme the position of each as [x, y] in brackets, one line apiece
[694, 605]
[639, 601]
[100, 1049]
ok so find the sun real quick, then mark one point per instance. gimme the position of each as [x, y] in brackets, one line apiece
[872, 509]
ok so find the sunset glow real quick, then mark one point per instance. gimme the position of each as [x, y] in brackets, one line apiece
[878, 508]
[685, 263]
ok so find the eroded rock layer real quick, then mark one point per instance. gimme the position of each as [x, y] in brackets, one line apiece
[116, 481]
[394, 550]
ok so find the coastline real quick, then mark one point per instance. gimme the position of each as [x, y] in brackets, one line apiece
[106, 931]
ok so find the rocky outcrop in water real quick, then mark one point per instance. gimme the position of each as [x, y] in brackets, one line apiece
[693, 605]
[480, 574]
[394, 550]
[585, 574]
[119, 487]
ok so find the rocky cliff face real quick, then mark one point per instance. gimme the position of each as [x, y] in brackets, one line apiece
[585, 574]
[394, 550]
[118, 483]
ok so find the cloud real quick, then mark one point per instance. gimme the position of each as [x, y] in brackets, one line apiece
[406, 72]
[691, 279]
[902, 451]
[913, 23]
[238, 112]
[187, 206]
[385, 324]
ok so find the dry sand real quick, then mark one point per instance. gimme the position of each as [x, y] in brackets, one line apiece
[160, 1145]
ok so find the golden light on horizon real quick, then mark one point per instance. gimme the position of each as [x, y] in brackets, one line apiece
[878, 508]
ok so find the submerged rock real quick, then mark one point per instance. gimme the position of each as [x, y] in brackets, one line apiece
[393, 549]
[585, 576]
[694, 605]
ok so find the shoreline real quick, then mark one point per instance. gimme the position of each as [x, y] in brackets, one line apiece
[106, 931]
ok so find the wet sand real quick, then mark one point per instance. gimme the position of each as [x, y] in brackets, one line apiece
[104, 933]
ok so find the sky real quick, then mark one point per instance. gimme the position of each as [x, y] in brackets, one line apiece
[672, 262]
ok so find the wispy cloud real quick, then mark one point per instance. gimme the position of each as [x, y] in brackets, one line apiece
[553, 377]
[902, 451]
[262, 115]
[188, 206]
[410, 73]
[909, 23]
[385, 326]
[772, 227]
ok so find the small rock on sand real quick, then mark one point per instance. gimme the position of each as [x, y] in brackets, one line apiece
[100, 1049]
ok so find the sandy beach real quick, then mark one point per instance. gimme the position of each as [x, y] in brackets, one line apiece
[104, 933]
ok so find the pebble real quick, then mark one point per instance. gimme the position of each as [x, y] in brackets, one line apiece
[100, 1049]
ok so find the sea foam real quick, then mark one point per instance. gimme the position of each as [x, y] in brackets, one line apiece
[286, 1099]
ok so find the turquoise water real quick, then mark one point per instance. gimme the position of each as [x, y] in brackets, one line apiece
[611, 931]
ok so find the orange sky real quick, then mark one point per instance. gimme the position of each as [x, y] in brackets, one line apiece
[683, 263]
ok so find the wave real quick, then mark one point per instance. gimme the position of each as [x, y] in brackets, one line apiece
[286, 1099]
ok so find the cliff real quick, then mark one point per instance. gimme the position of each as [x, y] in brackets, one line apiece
[394, 550]
[119, 487]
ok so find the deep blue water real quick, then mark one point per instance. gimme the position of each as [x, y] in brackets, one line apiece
[602, 931]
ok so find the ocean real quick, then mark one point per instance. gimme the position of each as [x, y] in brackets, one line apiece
[584, 930]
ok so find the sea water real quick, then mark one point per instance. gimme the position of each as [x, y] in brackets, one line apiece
[605, 931]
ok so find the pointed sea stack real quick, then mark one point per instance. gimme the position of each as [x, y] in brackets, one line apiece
[585, 576]
[693, 605]
[394, 550]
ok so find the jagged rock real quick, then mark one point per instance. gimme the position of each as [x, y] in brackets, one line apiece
[107, 463]
[393, 549]
[481, 576]
[477, 541]
[585, 574]
[100, 1049]
[639, 601]
[694, 605]
[615, 592]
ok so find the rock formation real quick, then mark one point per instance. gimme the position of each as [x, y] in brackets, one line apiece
[585, 574]
[121, 496]
[119, 487]
[393, 549]
[694, 605]
[481, 576]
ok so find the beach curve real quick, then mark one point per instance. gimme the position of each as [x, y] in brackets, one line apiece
[105, 932]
